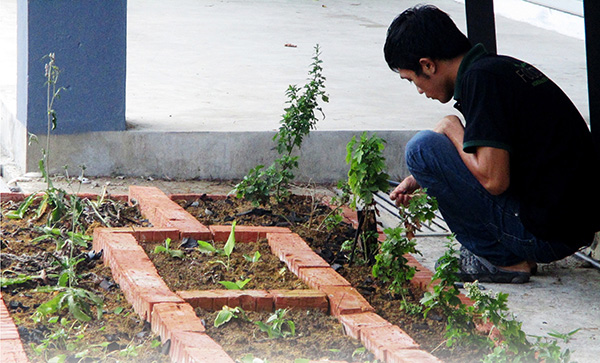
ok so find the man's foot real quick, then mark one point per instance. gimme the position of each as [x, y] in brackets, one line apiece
[472, 267]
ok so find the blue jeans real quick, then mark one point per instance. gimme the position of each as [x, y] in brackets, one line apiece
[487, 225]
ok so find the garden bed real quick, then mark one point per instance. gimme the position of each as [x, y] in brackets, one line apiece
[326, 242]
[120, 334]
[305, 215]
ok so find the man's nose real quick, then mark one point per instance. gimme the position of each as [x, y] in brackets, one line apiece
[420, 91]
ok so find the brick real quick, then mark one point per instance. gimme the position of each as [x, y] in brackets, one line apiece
[103, 239]
[200, 298]
[354, 323]
[318, 277]
[345, 300]
[381, 340]
[422, 279]
[411, 356]
[144, 289]
[245, 233]
[15, 197]
[148, 234]
[303, 259]
[286, 243]
[196, 347]
[169, 318]
[300, 299]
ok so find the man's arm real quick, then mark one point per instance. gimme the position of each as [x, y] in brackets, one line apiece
[489, 165]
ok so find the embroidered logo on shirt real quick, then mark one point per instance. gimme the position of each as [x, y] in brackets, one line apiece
[530, 74]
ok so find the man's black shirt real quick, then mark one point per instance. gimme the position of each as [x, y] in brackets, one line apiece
[554, 171]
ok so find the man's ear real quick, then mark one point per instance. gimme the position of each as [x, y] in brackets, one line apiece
[427, 66]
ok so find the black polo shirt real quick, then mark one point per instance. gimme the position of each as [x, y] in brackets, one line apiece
[554, 171]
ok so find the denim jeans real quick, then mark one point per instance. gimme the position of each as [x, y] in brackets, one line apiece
[487, 225]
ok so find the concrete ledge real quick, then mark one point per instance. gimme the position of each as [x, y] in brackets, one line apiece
[182, 155]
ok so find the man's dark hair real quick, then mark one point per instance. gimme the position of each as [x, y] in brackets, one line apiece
[423, 31]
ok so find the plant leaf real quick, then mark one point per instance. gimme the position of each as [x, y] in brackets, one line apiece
[230, 285]
[223, 317]
[230, 241]
[206, 247]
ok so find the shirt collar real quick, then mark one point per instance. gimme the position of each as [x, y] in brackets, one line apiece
[472, 55]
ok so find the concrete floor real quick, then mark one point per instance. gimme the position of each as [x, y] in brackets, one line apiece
[206, 79]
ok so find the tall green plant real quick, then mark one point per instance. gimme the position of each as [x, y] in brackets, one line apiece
[366, 176]
[299, 119]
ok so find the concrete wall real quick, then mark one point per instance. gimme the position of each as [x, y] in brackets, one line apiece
[89, 40]
[206, 155]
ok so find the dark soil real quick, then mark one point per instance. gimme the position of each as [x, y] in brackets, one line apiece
[318, 337]
[305, 215]
[200, 271]
[120, 335]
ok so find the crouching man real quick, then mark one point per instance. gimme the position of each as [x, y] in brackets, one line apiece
[519, 183]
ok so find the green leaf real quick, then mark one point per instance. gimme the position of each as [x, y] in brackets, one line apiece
[230, 285]
[118, 310]
[19, 213]
[206, 247]
[230, 241]
[160, 249]
[176, 253]
[224, 316]
[241, 284]
[20, 279]
[75, 309]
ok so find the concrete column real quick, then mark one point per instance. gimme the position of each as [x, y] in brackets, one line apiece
[89, 40]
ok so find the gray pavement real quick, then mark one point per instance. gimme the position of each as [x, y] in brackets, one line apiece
[206, 80]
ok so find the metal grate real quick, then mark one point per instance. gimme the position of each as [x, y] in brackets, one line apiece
[435, 228]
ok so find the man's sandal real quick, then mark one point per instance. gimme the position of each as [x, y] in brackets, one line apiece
[473, 268]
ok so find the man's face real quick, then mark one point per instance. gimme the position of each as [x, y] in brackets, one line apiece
[432, 84]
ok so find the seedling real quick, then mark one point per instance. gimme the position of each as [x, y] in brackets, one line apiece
[76, 300]
[226, 314]
[228, 248]
[167, 249]
[253, 259]
[276, 326]
[238, 285]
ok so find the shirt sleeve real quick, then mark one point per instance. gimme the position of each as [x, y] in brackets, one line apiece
[487, 106]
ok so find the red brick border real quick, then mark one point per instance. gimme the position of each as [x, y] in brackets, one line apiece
[11, 347]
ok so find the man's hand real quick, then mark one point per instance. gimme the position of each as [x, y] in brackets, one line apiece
[402, 193]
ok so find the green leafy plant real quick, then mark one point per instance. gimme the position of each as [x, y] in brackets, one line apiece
[511, 344]
[299, 118]
[226, 314]
[365, 177]
[391, 264]
[78, 301]
[276, 326]
[460, 328]
[335, 216]
[237, 285]
[168, 250]
[60, 336]
[254, 259]
[17, 280]
[206, 247]
[227, 249]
